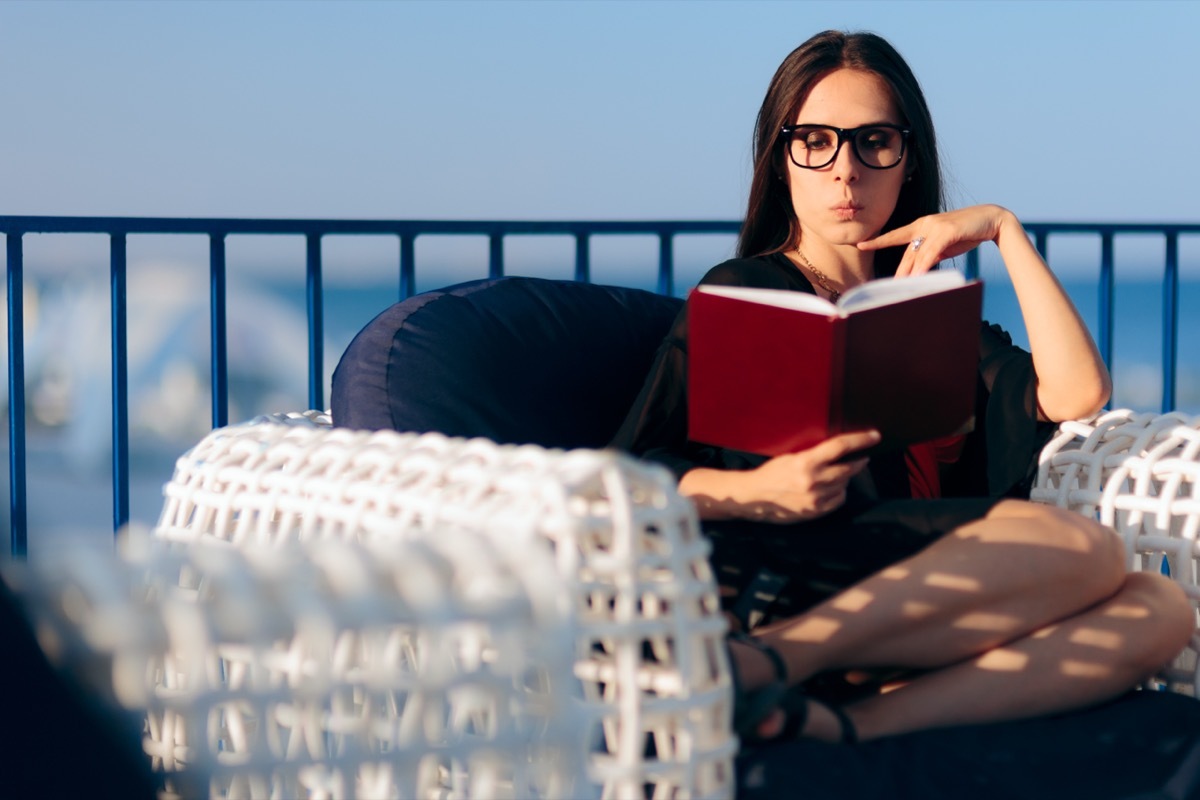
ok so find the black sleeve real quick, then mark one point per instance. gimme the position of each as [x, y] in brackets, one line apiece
[656, 426]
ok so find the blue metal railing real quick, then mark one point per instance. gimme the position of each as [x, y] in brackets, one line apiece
[118, 229]
[1170, 233]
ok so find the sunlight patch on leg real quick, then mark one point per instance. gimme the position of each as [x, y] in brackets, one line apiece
[987, 621]
[894, 573]
[1094, 637]
[853, 600]
[1126, 611]
[1045, 633]
[817, 629]
[1085, 669]
[1001, 660]
[915, 609]
[959, 583]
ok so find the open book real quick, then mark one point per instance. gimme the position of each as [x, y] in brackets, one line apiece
[772, 371]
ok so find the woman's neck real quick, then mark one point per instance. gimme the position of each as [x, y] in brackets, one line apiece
[843, 266]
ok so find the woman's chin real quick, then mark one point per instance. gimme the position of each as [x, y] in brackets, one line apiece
[847, 236]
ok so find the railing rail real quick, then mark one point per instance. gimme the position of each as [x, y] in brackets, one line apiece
[118, 229]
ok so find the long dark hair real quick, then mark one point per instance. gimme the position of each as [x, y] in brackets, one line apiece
[770, 225]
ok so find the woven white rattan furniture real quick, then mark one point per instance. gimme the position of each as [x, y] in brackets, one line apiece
[649, 647]
[329, 670]
[1140, 474]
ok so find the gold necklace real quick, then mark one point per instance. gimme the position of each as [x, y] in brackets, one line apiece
[822, 279]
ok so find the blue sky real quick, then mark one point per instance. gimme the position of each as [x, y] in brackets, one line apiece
[608, 110]
[1071, 111]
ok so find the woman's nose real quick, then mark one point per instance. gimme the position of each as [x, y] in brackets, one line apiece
[845, 164]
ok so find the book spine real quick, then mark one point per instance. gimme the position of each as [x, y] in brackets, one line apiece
[837, 375]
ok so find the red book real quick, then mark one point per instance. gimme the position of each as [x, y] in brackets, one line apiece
[772, 371]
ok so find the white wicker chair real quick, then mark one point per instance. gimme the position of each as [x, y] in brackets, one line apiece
[650, 655]
[328, 670]
[649, 652]
[1140, 474]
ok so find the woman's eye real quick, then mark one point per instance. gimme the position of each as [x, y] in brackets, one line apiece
[816, 141]
[875, 141]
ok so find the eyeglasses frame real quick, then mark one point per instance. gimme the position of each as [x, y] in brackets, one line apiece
[844, 135]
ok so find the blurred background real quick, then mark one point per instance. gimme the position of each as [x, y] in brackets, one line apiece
[1061, 111]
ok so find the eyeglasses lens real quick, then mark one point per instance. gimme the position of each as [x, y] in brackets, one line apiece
[876, 147]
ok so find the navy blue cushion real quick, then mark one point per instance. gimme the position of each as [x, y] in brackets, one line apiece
[1142, 746]
[516, 360]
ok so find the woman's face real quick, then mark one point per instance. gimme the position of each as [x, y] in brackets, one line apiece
[845, 202]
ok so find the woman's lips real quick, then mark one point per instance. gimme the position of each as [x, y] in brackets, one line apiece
[846, 211]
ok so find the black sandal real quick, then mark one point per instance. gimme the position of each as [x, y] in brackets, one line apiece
[796, 704]
[751, 707]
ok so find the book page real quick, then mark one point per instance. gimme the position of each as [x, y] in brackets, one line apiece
[872, 294]
[884, 291]
[781, 298]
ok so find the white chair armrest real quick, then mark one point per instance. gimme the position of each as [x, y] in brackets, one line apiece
[1140, 474]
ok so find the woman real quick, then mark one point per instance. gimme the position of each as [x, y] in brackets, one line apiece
[920, 562]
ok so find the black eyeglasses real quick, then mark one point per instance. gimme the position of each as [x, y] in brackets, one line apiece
[816, 146]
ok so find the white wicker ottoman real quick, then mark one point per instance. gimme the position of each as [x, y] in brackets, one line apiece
[649, 646]
[329, 670]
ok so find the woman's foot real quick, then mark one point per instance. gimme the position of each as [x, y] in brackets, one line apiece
[766, 709]
[800, 715]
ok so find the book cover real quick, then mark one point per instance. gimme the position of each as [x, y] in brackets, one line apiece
[773, 371]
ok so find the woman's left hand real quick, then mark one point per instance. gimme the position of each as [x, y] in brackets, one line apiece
[1072, 381]
[942, 236]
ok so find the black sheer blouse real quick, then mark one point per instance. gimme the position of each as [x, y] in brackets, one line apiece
[880, 523]
[998, 459]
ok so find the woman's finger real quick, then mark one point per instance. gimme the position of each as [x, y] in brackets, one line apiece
[921, 257]
[839, 473]
[830, 500]
[893, 238]
[836, 448]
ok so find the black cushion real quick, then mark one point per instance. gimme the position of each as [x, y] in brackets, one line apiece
[516, 360]
[1142, 746]
[59, 739]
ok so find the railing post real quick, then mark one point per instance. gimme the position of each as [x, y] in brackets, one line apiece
[666, 264]
[1040, 237]
[316, 324]
[408, 269]
[1107, 284]
[583, 258]
[18, 519]
[120, 381]
[972, 268]
[1170, 320]
[496, 255]
[217, 328]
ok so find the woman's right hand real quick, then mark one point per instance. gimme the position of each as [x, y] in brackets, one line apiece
[789, 488]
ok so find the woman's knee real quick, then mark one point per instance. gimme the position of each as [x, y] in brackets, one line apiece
[1094, 559]
[1169, 617]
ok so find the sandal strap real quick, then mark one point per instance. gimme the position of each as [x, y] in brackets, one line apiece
[777, 662]
[751, 706]
[849, 731]
[798, 705]
[797, 712]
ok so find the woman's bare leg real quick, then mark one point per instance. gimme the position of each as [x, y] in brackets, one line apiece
[986, 596]
[1094, 656]
[989, 582]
